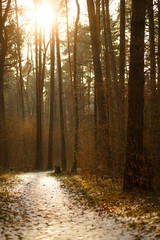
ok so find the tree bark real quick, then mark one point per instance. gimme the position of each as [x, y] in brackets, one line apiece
[149, 6]
[69, 55]
[50, 140]
[98, 21]
[110, 43]
[102, 132]
[20, 63]
[159, 47]
[107, 81]
[38, 92]
[3, 52]
[122, 112]
[134, 176]
[122, 50]
[63, 147]
[76, 137]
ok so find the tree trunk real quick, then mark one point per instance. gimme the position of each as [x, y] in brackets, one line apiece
[3, 51]
[102, 132]
[154, 119]
[38, 93]
[76, 137]
[106, 53]
[2, 62]
[27, 93]
[98, 21]
[122, 51]
[63, 147]
[122, 120]
[20, 63]
[158, 164]
[134, 176]
[97, 12]
[159, 47]
[152, 45]
[50, 140]
[69, 56]
[110, 43]
[107, 81]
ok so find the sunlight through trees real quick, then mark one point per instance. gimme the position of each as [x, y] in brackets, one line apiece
[79, 88]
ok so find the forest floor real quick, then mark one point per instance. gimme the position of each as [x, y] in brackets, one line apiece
[42, 206]
[139, 210]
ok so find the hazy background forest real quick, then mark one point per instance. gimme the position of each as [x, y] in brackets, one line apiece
[64, 72]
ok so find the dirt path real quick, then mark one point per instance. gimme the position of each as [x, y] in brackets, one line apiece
[44, 210]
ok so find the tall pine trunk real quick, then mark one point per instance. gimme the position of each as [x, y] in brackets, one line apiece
[107, 81]
[159, 47]
[3, 51]
[102, 141]
[122, 52]
[76, 133]
[50, 140]
[122, 113]
[38, 91]
[110, 43]
[69, 55]
[154, 119]
[20, 63]
[63, 146]
[98, 20]
[149, 6]
[159, 76]
[134, 176]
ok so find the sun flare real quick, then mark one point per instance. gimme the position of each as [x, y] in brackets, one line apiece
[45, 15]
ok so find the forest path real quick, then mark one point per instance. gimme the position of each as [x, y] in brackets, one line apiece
[43, 210]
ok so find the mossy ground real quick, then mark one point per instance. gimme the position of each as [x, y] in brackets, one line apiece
[139, 210]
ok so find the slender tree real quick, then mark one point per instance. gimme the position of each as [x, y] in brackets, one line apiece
[20, 62]
[110, 43]
[29, 68]
[158, 60]
[38, 61]
[122, 120]
[98, 23]
[152, 81]
[106, 53]
[134, 176]
[99, 89]
[69, 54]
[149, 6]
[107, 79]
[4, 10]
[3, 50]
[159, 46]
[50, 140]
[63, 146]
[122, 50]
[76, 138]
[98, 20]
